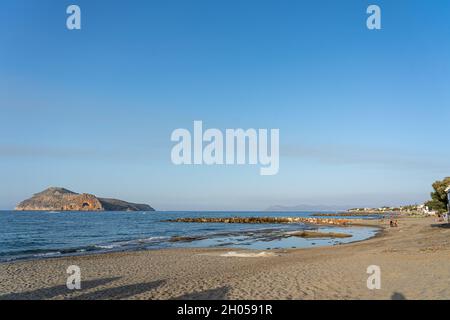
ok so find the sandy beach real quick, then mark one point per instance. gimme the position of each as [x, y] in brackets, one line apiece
[413, 259]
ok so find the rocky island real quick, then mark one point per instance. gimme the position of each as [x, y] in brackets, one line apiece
[60, 199]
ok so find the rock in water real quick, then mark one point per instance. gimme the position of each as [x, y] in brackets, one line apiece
[60, 199]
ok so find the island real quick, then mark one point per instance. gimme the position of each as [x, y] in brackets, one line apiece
[61, 199]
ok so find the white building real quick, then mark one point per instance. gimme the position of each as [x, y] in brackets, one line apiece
[425, 210]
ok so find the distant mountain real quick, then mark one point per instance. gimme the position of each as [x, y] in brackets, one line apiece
[307, 207]
[60, 199]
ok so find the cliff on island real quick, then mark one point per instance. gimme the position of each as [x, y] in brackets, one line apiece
[60, 199]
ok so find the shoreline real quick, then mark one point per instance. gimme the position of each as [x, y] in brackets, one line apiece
[412, 259]
[340, 223]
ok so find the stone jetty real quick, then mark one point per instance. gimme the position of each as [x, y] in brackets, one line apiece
[259, 220]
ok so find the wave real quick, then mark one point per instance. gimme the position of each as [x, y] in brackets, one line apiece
[48, 254]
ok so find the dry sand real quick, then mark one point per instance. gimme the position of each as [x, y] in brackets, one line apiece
[414, 260]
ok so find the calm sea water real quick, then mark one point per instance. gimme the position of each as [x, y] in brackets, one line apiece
[32, 235]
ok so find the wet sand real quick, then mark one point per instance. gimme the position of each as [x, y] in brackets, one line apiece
[413, 259]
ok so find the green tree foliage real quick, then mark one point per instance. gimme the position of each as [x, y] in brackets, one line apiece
[439, 200]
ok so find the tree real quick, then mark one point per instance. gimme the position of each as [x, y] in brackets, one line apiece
[439, 200]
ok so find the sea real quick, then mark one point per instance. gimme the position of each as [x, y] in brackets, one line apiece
[26, 235]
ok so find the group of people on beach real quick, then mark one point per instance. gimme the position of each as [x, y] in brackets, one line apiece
[442, 217]
[393, 223]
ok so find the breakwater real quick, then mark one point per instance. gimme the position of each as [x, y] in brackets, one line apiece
[267, 220]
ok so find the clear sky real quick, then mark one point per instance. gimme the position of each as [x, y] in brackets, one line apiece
[363, 115]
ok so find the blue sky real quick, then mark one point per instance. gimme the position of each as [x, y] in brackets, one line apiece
[363, 115]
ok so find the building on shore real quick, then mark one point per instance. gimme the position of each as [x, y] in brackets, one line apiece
[425, 210]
